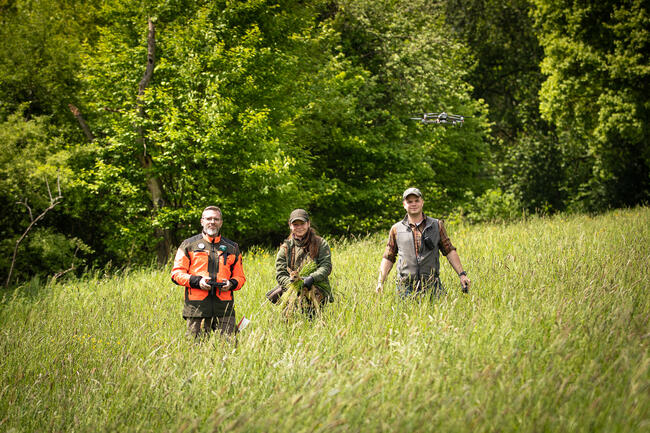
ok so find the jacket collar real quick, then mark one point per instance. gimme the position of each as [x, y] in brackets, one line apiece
[211, 239]
[426, 220]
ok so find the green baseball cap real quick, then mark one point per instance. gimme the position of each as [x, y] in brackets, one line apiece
[299, 214]
[411, 191]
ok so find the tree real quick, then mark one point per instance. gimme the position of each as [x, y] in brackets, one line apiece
[507, 75]
[527, 158]
[257, 106]
[408, 63]
[39, 54]
[54, 201]
[596, 94]
[31, 166]
[218, 116]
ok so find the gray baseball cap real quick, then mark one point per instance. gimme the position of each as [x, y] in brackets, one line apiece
[411, 191]
[299, 214]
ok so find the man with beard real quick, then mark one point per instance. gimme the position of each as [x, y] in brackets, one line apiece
[209, 266]
[418, 239]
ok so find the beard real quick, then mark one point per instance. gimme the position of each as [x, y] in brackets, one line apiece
[211, 231]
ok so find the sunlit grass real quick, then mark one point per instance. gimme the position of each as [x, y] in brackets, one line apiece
[552, 337]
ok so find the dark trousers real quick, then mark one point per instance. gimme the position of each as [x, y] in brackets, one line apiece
[198, 326]
[433, 289]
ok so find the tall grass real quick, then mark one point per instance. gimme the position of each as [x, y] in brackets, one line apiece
[553, 336]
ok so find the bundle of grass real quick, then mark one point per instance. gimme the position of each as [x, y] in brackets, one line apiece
[299, 299]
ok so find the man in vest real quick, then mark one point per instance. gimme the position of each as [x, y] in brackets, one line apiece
[418, 239]
[209, 266]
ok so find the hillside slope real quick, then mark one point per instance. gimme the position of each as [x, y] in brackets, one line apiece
[554, 336]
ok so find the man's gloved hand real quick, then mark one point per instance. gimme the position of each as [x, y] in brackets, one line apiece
[308, 281]
[203, 283]
[215, 285]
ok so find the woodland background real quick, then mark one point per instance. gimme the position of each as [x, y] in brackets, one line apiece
[127, 118]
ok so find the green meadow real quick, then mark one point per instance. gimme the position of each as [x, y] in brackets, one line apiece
[553, 336]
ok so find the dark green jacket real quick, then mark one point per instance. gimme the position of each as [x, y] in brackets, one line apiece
[291, 256]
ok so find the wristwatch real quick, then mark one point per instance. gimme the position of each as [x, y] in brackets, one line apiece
[462, 273]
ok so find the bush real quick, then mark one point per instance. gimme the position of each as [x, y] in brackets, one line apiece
[493, 205]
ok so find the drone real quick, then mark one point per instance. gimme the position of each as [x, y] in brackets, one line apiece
[442, 118]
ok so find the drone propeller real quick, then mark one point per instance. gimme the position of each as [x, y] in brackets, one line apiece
[441, 118]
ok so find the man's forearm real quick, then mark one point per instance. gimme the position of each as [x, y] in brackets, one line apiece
[454, 261]
[384, 269]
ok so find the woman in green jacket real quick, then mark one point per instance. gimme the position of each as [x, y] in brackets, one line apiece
[303, 245]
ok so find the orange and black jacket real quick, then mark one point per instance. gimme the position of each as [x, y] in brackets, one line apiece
[215, 258]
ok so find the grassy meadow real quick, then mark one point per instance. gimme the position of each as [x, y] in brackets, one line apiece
[553, 336]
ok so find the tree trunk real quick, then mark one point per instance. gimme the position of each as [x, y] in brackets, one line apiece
[154, 184]
[82, 122]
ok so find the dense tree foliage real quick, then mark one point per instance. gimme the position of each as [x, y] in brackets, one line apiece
[507, 76]
[205, 128]
[596, 93]
[145, 112]
[39, 59]
[299, 120]
[414, 68]
[39, 55]
[30, 165]
[584, 68]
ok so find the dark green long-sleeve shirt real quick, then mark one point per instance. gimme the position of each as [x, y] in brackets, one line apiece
[291, 251]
